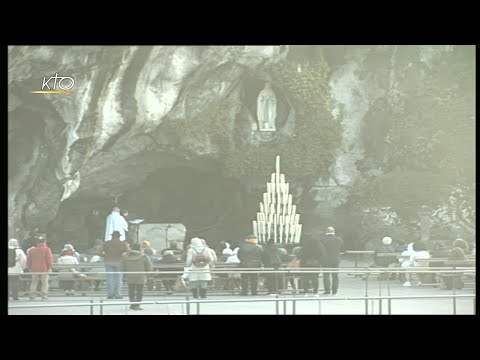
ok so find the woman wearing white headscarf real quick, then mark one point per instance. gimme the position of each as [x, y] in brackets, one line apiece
[14, 272]
[199, 275]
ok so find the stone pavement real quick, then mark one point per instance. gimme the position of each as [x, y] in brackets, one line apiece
[350, 286]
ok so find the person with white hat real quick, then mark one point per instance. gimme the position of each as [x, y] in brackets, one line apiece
[385, 261]
[19, 262]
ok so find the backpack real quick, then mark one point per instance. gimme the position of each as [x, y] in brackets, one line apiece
[201, 258]
[12, 257]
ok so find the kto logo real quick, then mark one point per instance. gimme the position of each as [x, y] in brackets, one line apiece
[56, 85]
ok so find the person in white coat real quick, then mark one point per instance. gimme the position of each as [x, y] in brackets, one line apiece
[14, 272]
[198, 276]
[115, 222]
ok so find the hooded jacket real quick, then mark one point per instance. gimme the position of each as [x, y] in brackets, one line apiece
[198, 273]
[134, 260]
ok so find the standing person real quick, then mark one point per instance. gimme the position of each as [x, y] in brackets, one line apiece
[198, 260]
[112, 257]
[333, 246]
[134, 261]
[17, 260]
[39, 260]
[312, 255]
[115, 222]
[272, 258]
[233, 279]
[250, 256]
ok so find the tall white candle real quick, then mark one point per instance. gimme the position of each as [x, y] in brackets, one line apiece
[299, 232]
[293, 230]
[262, 210]
[275, 229]
[297, 218]
[282, 178]
[287, 186]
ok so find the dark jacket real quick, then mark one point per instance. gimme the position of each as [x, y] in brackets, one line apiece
[135, 261]
[312, 253]
[334, 246]
[272, 257]
[250, 255]
[113, 250]
[384, 261]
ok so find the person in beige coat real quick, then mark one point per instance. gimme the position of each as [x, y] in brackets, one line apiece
[199, 276]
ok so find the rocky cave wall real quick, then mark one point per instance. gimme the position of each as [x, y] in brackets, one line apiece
[121, 127]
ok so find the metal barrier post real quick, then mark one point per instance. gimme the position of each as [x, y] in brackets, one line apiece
[294, 302]
[380, 295]
[101, 307]
[198, 307]
[188, 306]
[276, 305]
[366, 293]
[454, 300]
[91, 306]
[284, 307]
[389, 300]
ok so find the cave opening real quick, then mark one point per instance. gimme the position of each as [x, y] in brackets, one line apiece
[209, 205]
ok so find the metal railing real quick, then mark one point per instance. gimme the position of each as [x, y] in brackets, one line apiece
[293, 271]
[277, 300]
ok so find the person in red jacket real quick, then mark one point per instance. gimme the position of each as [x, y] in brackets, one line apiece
[39, 260]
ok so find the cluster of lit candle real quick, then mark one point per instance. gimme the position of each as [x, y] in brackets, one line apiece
[277, 218]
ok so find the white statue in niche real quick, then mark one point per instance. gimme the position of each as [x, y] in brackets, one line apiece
[266, 108]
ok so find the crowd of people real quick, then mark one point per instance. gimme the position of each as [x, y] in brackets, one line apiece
[134, 261]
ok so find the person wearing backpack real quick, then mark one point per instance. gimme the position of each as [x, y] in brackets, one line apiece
[198, 260]
[17, 260]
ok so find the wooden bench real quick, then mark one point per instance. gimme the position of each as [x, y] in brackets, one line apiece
[430, 279]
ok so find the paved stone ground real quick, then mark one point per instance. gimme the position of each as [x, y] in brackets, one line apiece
[350, 286]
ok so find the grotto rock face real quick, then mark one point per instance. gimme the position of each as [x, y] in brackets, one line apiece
[105, 137]
[115, 131]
